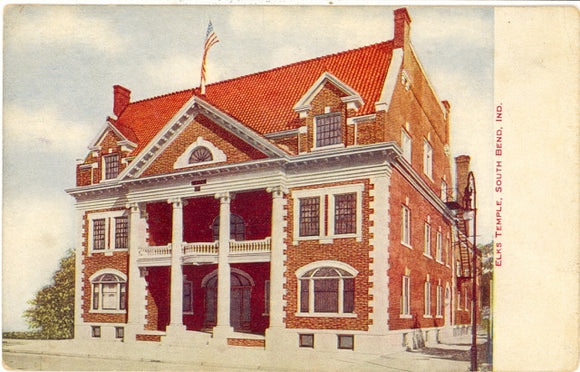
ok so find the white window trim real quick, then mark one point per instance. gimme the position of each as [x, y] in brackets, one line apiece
[444, 196]
[108, 311]
[104, 167]
[406, 298]
[439, 309]
[315, 265]
[439, 248]
[321, 193]
[428, 163]
[427, 300]
[314, 133]
[218, 155]
[406, 244]
[110, 230]
[427, 240]
[406, 136]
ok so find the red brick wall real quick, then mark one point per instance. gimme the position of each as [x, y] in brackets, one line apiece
[420, 108]
[346, 250]
[246, 342]
[92, 264]
[289, 144]
[157, 298]
[236, 150]
[401, 257]
[108, 146]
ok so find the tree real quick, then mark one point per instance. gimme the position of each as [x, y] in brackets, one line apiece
[52, 310]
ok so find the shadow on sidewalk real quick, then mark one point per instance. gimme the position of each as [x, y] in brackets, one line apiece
[461, 355]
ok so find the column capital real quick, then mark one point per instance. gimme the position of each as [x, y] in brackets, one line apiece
[176, 202]
[278, 191]
[224, 197]
[133, 206]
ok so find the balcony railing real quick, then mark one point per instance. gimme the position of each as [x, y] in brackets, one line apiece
[243, 246]
[207, 252]
[209, 247]
[155, 251]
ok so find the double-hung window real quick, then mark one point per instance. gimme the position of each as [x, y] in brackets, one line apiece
[427, 298]
[310, 216]
[328, 130]
[427, 240]
[111, 166]
[406, 225]
[99, 234]
[406, 144]
[439, 254]
[108, 231]
[406, 296]
[439, 301]
[428, 159]
[187, 297]
[328, 213]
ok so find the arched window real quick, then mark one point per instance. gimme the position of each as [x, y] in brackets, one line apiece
[327, 289]
[237, 228]
[109, 292]
[200, 154]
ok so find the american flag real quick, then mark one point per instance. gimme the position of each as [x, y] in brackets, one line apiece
[210, 40]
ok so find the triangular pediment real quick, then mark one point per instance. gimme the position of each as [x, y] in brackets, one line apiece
[200, 127]
[110, 128]
[351, 96]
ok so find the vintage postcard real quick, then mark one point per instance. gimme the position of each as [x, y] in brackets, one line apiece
[290, 187]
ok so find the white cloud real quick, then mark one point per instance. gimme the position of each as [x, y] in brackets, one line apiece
[61, 26]
[175, 72]
[45, 129]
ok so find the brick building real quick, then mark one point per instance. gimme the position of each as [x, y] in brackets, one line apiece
[304, 206]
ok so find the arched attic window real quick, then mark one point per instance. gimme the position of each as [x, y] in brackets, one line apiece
[200, 152]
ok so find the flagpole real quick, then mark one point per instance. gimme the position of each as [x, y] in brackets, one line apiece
[210, 40]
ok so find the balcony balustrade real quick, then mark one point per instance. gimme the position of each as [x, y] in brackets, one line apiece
[207, 252]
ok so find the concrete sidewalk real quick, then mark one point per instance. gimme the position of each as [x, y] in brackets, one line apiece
[451, 355]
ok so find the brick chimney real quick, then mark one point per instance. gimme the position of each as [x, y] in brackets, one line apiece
[461, 171]
[121, 99]
[402, 27]
[447, 107]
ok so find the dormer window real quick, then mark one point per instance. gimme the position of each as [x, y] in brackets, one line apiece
[328, 130]
[111, 165]
[200, 154]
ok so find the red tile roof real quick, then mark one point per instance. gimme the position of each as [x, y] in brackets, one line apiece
[264, 101]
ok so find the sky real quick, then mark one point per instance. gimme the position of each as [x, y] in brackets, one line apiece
[61, 62]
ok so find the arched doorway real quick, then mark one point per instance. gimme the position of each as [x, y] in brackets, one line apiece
[240, 306]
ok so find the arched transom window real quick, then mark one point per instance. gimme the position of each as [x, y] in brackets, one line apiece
[327, 289]
[109, 292]
[200, 154]
[237, 228]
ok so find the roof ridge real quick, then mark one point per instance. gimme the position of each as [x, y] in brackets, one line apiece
[193, 90]
[299, 62]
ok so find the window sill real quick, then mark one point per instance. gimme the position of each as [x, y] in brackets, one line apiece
[329, 147]
[406, 245]
[427, 255]
[107, 311]
[428, 316]
[439, 317]
[326, 315]
[108, 252]
[329, 239]
[405, 316]
[440, 262]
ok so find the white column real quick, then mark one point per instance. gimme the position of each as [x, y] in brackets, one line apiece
[223, 327]
[277, 266]
[176, 307]
[136, 285]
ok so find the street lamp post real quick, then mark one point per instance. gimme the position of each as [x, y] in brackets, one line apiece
[470, 201]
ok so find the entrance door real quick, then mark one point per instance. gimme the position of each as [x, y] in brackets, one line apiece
[240, 305]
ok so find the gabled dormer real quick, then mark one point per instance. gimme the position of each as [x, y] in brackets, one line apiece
[108, 156]
[324, 111]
